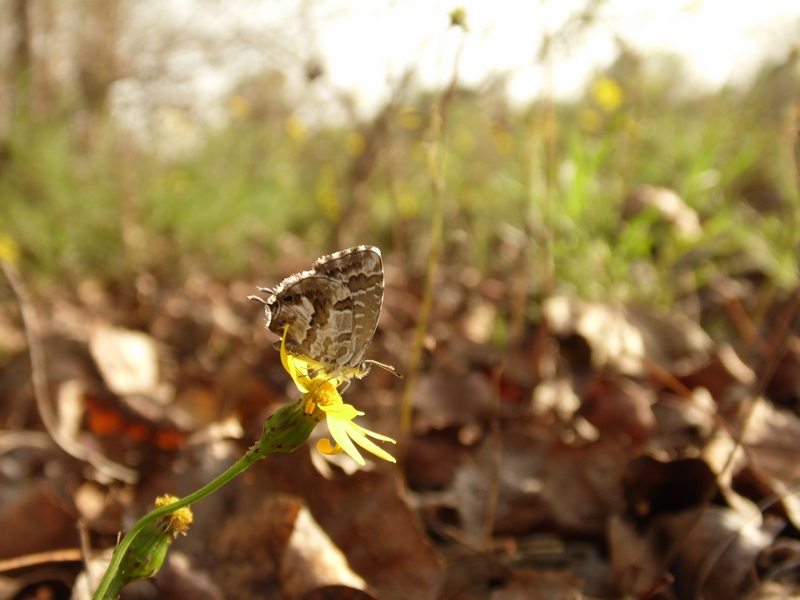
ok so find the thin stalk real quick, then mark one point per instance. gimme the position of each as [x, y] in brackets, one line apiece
[437, 166]
[254, 454]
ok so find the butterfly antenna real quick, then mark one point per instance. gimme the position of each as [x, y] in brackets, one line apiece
[263, 290]
[385, 367]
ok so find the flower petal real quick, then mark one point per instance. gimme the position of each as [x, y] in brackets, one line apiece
[324, 446]
[339, 430]
[374, 434]
[288, 363]
[360, 439]
[341, 411]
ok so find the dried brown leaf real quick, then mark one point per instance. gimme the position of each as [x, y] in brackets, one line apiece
[312, 561]
[541, 481]
[616, 404]
[128, 361]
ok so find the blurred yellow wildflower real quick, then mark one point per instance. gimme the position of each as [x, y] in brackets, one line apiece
[297, 129]
[502, 140]
[239, 107]
[607, 94]
[9, 251]
[327, 198]
[409, 118]
[320, 393]
[178, 131]
[464, 140]
[407, 202]
[355, 143]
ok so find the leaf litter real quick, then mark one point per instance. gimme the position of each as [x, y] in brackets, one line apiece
[611, 451]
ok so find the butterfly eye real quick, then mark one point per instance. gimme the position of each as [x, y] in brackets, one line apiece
[288, 298]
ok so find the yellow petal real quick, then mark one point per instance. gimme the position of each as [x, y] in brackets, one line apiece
[374, 434]
[288, 363]
[360, 439]
[341, 412]
[339, 431]
[324, 446]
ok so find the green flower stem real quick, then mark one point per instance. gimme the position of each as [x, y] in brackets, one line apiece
[284, 431]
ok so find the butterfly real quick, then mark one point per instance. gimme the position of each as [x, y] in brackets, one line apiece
[332, 311]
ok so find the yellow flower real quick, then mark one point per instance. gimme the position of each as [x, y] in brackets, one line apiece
[177, 522]
[607, 94]
[355, 143]
[9, 251]
[239, 108]
[320, 393]
[503, 141]
[409, 118]
[464, 140]
[327, 198]
[297, 129]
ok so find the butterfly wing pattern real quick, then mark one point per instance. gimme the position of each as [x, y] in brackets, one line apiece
[332, 310]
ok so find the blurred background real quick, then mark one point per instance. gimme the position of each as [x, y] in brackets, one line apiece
[588, 214]
[166, 137]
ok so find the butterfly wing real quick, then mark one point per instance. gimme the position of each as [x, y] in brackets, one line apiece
[360, 269]
[319, 312]
[332, 310]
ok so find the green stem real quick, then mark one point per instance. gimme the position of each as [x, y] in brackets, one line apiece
[253, 454]
[284, 431]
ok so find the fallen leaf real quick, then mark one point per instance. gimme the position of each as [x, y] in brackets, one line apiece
[128, 361]
[312, 561]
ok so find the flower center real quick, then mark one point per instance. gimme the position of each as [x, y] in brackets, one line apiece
[322, 392]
